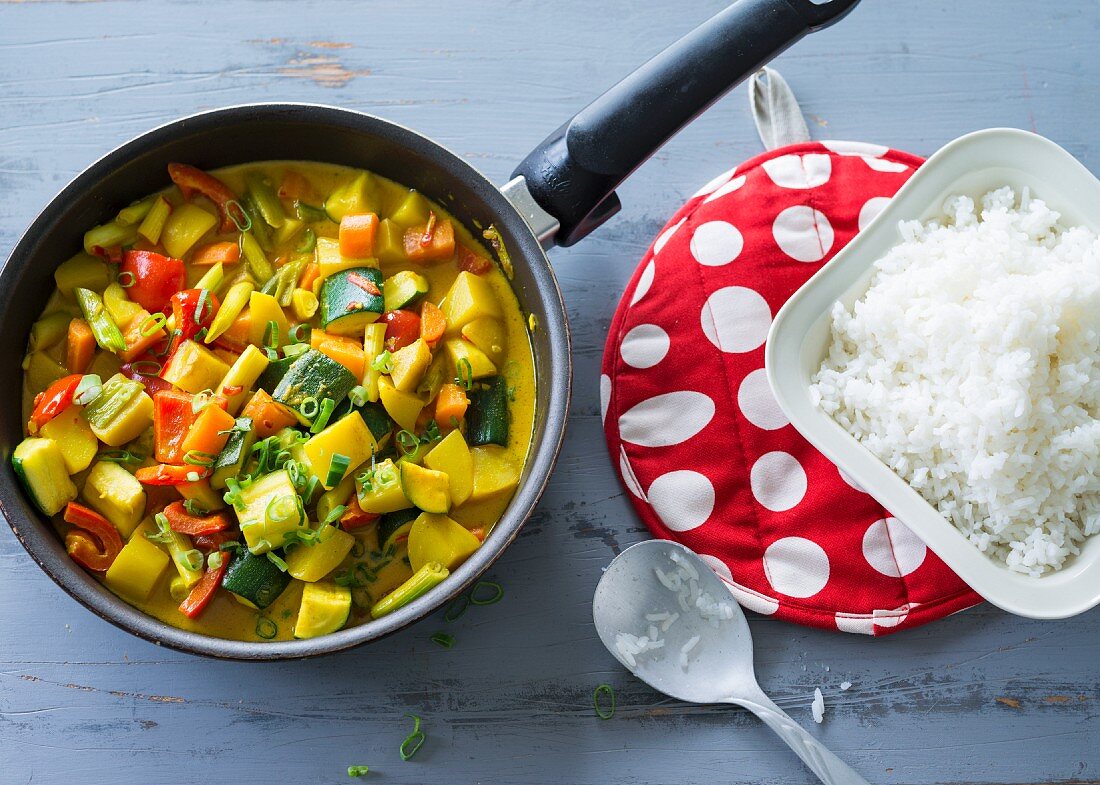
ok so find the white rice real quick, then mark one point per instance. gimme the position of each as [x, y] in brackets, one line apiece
[685, 650]
[970, 367]
[845, 686]
[818, 706]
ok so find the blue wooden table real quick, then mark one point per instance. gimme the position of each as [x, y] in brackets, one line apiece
[980, 697]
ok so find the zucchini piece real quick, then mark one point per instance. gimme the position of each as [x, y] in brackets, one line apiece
[403, 288]
[243, 374]
[231, 460]
[380, 491]
[426, 488]
[350, 300]
[410, 364]
[121, 412]
[138, 567]
[437, 538]
[359, 195]
[194, 368]
[452, 457]
[261, 532]
[311, 563]
[274, 373]
[75, 438]
[115, 494]
[313, 375]
[349, 437]
[325, 609]
[379, 423]
[40, 466]
[470, 297]
[487, 417]
[463, 352]
[254, 579]
[495, 472]
[403, 407]
[391, 522]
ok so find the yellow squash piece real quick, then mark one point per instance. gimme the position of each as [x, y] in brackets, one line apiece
[261, 533]
[437, 538]
[487, 334]
[461, 352]
[348, 436]
[121, 413]
[264, 309]
[115, 494]
[426, 488]
[41, 468]
[380, 491]
[402, 407]
[470, 297]
[495, 472]
[74, 436]
[84, 271]
[184, 227]
[452, 457]
[138, 567]
[195, 368]
[330, 261]
[243, 374]
[409, 365]
[202, 494]
[121, 307]
[325, 609]
[313, 562]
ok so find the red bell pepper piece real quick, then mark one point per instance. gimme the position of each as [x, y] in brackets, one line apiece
[402, 329]
[94, 543]
[471, 262]
[193, 311]
[173, 415]
[166, 474]
[156, 278]
[191, 180]
[208, 543]
[180, 520]
[355, 517]
[204, 590]
[54, 400]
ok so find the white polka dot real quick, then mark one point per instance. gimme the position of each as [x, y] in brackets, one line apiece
[726, 189]
[716, 243]
[796, 567]
[736, 319]
[799, 171]
[644, 346]
[756, 402]
[892, 549]
[855, 148]
[666, 235]
[666, 419]
[717, 181]
[855, 622]
[778, 481]
[850, 480]
[682, 499]
[803, 233]
[753, 600]
[882, 165]
[870, 210]
[645, 280]
[605, 395]
[629, 480]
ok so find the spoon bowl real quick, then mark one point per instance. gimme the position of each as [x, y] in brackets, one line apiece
[666, 616]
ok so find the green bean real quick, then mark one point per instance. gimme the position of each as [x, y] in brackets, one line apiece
[267, 201]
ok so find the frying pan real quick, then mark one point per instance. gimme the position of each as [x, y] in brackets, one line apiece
[558, 194]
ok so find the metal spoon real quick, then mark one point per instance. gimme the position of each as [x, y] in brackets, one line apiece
[720, 665]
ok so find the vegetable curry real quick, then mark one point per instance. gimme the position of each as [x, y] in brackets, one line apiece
[277, 399]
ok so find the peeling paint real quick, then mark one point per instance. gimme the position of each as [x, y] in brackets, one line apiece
[323, 70]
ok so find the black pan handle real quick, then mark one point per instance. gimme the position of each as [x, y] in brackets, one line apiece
[573, 174]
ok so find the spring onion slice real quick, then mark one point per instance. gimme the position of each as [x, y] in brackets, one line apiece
[327, 407]
[120, 456]
[358, 771]
[358, 395]
[496, 596]
[465, 378]
[414, 741]
[337, 468]
[605, 709]
[88, 389]
[277, 561]
[126, 279]
[457, 607]
[266, 628]
[443, 639]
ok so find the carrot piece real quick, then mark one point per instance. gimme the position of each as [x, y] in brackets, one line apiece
[357, 235]
[267, 416]
[355, 517]
[137, 342]
[209, 432]
[345, 351]
[479, 532]
[309, 275]
[168, 474]
[439, 244]
[80, 347]
[295, 186]
[173, 416]
[239, 334]
[209, 255]
[471, 261]
[432, 323]
[450, 406]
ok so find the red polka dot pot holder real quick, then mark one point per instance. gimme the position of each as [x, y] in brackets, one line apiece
[705, 453]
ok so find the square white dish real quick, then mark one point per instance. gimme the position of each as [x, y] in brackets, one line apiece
[799, 335]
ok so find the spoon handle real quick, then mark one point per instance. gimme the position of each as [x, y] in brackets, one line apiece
[828, 767]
